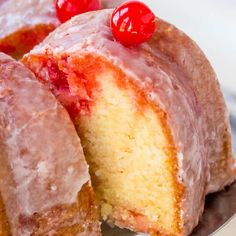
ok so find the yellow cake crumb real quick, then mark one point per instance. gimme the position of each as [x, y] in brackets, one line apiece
[127, 151]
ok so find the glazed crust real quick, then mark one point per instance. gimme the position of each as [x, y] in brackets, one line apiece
[174, 74]
[200, 76]
[4, 225]
[42, 163]
[23, 24]
[80, 218]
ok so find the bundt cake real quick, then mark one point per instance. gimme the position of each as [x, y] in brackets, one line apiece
[23, 24]
[44, 181]
[152, 120]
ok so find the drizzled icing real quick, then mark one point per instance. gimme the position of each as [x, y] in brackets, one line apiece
[173, 73]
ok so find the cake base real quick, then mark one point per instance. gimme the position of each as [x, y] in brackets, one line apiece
[4, 225]
[80, 218]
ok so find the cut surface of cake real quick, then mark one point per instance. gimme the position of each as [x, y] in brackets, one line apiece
[152, 120]
[44, 181]
[23, 24]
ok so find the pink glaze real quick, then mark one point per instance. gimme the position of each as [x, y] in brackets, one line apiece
[176, 76]
[15, 15]
[42, 162]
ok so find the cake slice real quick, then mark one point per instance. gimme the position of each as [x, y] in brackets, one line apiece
[44, 181]
[23, 24]
[152, 120]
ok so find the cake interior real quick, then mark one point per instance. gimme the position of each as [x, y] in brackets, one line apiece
[125, 140]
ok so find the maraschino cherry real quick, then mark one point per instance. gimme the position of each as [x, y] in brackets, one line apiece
[132, 23]
[66, 9]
